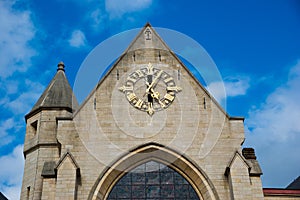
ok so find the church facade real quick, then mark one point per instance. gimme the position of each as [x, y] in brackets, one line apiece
[148, 130]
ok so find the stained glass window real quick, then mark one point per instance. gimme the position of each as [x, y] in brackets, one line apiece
[153, 181]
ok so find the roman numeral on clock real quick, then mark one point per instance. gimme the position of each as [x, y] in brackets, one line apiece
[126, 88]
[139, 73]
[169, 97]
[131, 96]
[131, 79]
[174, 88]
[168, 79]
[139, 103]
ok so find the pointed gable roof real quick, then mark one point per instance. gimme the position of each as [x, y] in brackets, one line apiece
[57, 95]
[233, 160]
[73, 161]
[155, 41]
[147, 38]
[2, 197]
[295, 185]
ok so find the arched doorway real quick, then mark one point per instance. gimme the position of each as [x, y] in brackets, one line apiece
[195, 178]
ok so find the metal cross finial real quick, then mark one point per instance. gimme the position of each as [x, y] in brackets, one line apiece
[148, 34]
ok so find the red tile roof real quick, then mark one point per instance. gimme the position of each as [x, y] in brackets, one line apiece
[280, 192]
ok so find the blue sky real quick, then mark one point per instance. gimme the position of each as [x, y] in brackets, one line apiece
[255, 45]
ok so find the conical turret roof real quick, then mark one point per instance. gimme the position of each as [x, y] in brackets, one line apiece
[57, 95]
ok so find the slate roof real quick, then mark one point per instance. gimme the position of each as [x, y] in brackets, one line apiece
[58, 93]
[295, 185]
[2, 197]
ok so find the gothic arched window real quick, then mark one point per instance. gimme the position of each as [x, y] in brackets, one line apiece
[153, 181]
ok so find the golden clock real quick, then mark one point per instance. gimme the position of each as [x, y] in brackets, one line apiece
[150, 89]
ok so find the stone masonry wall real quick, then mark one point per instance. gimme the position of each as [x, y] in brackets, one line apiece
[109, 127]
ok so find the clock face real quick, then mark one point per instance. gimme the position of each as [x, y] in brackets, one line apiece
[150, 89]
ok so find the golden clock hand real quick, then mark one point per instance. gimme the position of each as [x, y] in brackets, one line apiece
[155, 95]
[154, 81]
[150, 85]
[147, 91]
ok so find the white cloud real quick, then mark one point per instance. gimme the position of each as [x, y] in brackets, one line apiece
[117, 8]
[77, 39]
[18, 106]
[24, 102]
[230, 87]
[11, 173]
[4, 100]
[98, 18]
[104, 13]
[16, 30]
[236, 86]
[280, 114]
[9, 86]
[274, 130]
[5, 126]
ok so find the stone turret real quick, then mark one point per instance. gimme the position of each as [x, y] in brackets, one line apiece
[41, 145]
[58, 94]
